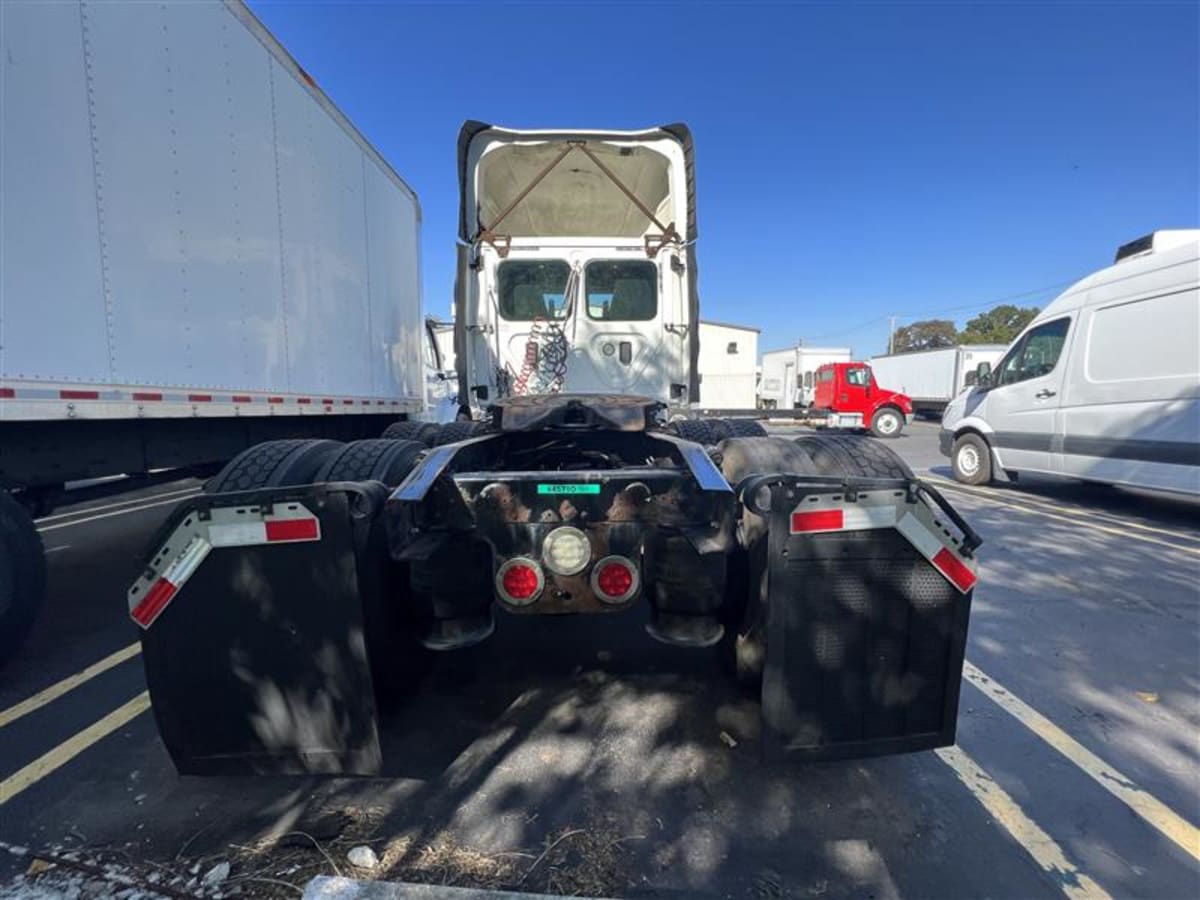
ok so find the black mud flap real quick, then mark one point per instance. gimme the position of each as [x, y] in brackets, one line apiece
[254, 612]
[868, 598]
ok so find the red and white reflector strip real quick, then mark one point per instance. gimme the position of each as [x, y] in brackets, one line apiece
[822, 513]
[943, 558]
[233, 526]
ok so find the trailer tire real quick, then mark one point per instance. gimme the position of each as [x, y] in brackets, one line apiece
[887, 423]
[374, 459]
[274, 464]
[411, 430]
[744, 428]
[453, 432]
[699, 431]
[22, 575]
[971, 459]
[849, 455]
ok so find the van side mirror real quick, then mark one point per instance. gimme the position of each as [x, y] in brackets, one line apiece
[983, 374]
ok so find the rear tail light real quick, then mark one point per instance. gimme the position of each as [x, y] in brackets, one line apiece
[615, 579]
[520, 581]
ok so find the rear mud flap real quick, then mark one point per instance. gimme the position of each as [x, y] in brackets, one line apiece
[253, 615]
[868, 597]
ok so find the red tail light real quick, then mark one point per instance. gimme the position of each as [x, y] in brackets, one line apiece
[615, 579]
[520, 581]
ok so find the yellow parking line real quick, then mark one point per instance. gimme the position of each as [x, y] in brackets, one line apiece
[1081, 522]
[1151, 809]
[1047, 503]
[1026, 832]
[40, 699]
[72, 747]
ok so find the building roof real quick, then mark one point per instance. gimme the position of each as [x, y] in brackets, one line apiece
[731, 325]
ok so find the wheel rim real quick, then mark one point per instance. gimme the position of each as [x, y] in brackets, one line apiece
[968, 460]
[888, 423]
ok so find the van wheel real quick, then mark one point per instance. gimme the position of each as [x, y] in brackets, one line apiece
[972, 459]
[888, 423]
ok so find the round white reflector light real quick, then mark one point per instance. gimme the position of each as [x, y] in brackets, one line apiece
[566, 551]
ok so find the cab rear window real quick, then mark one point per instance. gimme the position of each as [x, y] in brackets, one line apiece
[621, 290]
[532, 289]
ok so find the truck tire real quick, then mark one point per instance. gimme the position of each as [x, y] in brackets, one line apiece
[851, 454]
[373, 459]
[412, 430]
[744, 428]
[274, 464]
[699, 431]
[887, 422]
[22, 575]
[453, 432]
[743, 649]
[971, 459]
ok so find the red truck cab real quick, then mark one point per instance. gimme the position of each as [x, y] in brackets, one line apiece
[847, 391]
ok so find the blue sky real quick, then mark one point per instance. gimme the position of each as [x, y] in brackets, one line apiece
[854, 160]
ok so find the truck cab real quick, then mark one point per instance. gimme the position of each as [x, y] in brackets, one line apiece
[576, 269]
[848, 391]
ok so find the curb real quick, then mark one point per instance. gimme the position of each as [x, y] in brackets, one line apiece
[326, 888]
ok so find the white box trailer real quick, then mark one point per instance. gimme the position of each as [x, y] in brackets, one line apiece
[932, 378]
[728, 355]
[199, 251]
[787, 375]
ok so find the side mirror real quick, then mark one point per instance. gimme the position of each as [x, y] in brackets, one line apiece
[983, 374]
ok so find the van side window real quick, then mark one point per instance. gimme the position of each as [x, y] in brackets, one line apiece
[808, 379]
[1037, 354]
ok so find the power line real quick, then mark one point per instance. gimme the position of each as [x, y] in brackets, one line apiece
[932, 312]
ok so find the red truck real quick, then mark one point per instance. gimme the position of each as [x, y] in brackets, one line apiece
[847, 395]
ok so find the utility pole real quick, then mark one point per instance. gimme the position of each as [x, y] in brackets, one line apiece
[891, 332]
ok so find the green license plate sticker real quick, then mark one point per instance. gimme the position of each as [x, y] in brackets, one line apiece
[568, 489]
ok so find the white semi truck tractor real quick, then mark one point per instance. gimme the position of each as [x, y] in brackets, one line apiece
[200, 253]
[275, 617]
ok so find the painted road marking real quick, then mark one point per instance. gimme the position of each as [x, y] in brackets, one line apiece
[120, 512]
[40, 699]
[1152, 810]
[95, 509]
[72, 747]
[1026, 832]
[1041, 504]
[1081, 522]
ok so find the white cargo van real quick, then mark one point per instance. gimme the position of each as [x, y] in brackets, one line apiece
[1104, 385]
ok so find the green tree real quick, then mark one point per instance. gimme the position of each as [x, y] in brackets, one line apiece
[997, 326]
[926, 335]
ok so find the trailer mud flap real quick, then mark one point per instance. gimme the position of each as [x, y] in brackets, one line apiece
[868, 597]
[252, 614]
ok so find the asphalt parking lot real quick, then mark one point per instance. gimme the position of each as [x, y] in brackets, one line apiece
[576, 755]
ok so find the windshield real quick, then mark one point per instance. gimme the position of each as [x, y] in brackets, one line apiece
[624, 291]
[533, 289]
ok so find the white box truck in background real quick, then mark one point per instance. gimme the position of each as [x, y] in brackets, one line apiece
[932, 378]
[787, 375]
[200, 252]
